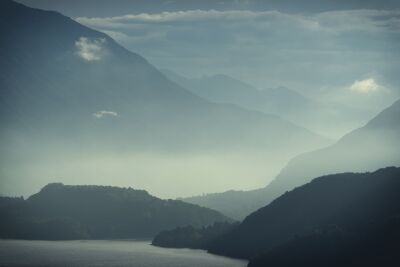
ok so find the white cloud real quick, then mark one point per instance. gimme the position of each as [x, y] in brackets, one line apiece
[178, 16]
[365, 86]
[266, 29]
[337, 20]
[359, 20]
[302, 50]
[90, 49]
[102, 113]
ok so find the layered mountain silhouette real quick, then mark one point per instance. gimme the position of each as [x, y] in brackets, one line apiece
[373, 244]
[234, 203]
[58, 71]
[365, 149]
[344, 218]
[192, 237]
[61, 211]
[329, 119]
[66, 87]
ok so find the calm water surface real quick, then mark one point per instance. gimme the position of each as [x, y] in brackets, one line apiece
[105, 253]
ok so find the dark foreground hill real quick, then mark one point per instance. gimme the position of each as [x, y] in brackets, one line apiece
[192, 237]
[346, 203]
[374, 244]
[96, 212]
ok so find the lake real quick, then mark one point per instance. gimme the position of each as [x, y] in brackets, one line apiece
[105, 253]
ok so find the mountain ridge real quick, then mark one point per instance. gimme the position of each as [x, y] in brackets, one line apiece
[73, 91]
[364, 149]
[363, 197]
[97, 212]
[319, 116]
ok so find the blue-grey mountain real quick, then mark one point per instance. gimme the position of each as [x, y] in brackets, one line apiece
[326, 118]
[71, 91]
[368, 148]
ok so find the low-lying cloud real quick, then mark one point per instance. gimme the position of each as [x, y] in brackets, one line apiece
[304, 51]
[365, 86]
[334, 20]
[90, 49]
[105, 113]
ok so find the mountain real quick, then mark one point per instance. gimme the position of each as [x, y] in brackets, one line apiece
[221, 88]
[71, 91]
[225, 89]
[350, 203]
[375, 244]
[235, 204]
[329, 119]
[365, 149]
[61, 211]
[192, 237]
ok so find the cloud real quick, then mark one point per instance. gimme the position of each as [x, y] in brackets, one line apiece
[360, 19]
[116, 34]
[365, 86]
[192, 16]
[103, 113]
[90, 49]
[260, 28]
[304, 51]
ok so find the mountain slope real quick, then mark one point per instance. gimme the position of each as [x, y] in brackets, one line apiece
[70, 91]
[342, 201]
[52, 71]
[74, 212]
[370, 147]
[329, 119]
[235, 204]
[373, 244]
[191, 237]
[364, 149]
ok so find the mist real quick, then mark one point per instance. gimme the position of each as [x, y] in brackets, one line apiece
[163, 174]
[119, 138]
[234, 133]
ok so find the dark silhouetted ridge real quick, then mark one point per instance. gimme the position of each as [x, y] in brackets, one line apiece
[349, 202]
[192, 237]
[93, 212]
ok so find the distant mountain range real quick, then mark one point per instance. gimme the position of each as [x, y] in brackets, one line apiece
[365, 149]
[66, 87]
[58, 73]
[347, 219]
[60, 212]
[327, 119]
[233, 203]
